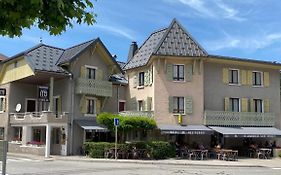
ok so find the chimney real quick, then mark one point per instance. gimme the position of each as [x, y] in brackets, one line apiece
[132, 50]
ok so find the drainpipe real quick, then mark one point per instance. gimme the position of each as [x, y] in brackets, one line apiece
[72, 113]
[117, 89]
[51, 94]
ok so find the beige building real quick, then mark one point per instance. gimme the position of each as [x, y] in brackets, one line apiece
[51, 96]
[192, 94]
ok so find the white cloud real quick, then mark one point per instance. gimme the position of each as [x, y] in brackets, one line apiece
[125, 32]
[250, 43]
[212, 9]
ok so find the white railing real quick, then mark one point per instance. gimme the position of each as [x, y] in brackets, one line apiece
[227, 118]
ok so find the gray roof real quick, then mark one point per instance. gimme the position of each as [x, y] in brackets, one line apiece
[121, 64]
[72, 52]
[247, 131]
[3, 57]
[172, 41]
[44, 58]
[118, 79]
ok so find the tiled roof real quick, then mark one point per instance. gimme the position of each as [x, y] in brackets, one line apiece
[44, 58]
[173, 41]
[72, 52]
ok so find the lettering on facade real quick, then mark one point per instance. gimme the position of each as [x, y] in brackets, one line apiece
[184, 132]
[2, 92]
[43, 93]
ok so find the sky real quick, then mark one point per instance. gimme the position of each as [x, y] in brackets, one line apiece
[240, 28]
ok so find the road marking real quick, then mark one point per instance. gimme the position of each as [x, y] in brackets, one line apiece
[22, 160]
[276, 168]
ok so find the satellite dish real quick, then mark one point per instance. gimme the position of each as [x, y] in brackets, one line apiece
[18, 107]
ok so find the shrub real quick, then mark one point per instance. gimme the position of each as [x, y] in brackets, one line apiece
[279, 154]
[161, 150]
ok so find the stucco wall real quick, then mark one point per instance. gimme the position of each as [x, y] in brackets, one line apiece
[112, 103]
[163, 89]
[215, 90]
[4, 115]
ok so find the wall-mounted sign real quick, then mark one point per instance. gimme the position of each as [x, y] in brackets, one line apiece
[43, 93]
[2, 92]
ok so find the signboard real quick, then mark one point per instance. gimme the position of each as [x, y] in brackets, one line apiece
[116, 121]
[2, 92]
[43, 93]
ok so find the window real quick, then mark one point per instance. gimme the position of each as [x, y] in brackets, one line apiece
[15, 64]
[257, 78]
[43, 106]
[233, 76]
[38, 134]
[2, 131]
[258, 105]
[2, 103]
[90, 106]
[178, 74]
[121, 106]
[140, 105]
[178, 105]
[234, 104]
[141, 78]
[17, 134]
[91, 73]
[56, 136]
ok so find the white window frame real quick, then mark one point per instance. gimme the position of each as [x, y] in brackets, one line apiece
[262, 104]
[261, 79]
[124, 105]
[36, 104]
[239, 105]
[95, 108]
[238, 76]
[184, 69]
[3, 110]
[91, 67]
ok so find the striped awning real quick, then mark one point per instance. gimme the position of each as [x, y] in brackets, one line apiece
[91, 125]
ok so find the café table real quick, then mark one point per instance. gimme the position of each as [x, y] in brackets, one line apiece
[264, 153]
[198, 154]
[227, 154]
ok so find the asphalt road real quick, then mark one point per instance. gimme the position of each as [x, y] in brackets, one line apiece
[22, 166]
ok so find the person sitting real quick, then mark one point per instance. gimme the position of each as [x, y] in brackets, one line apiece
[201, 147]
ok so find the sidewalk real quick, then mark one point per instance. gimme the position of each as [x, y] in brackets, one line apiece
[243, 162]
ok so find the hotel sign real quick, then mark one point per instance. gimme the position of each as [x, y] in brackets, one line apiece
[184, 132]
[43, 93]
[2, 92]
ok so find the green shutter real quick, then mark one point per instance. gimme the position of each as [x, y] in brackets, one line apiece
[83, 72]
[135, 81]
[148, 103]
[83, 105]
[132, 105]
[266, 79]
[188, 105]
[59, 105]
[99, 74]
[169, 72]
[3, 105]
[171, 104]
[244, 105]
[98, 106]
[146, 78]
[188, 72]
[225, 77]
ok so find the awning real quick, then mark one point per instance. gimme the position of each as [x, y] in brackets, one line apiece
[248, 131]
[91, 125]
[189, 129]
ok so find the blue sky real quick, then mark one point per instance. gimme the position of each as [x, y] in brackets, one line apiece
[240, 28]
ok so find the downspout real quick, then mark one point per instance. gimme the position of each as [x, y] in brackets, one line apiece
[72, 113]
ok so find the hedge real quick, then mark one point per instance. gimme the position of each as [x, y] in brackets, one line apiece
[156, 149]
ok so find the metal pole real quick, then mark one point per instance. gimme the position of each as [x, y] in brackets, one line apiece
[116, 142]
[5, 147]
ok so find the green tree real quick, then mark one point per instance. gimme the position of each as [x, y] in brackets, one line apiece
[53, 16]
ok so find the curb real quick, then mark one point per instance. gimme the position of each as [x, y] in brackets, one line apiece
[148, 162]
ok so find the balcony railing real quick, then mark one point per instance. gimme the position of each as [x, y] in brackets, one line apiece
[93, 87]
[227, 118]
[149, 114]
[38, 118]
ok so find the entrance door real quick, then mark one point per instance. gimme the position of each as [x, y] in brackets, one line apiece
[30, 105]
[121, 106]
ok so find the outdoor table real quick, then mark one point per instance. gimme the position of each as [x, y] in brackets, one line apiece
[264, 153]
[227, 154]
[198, 154]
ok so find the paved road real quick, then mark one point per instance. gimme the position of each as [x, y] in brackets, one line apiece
[22, 166]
